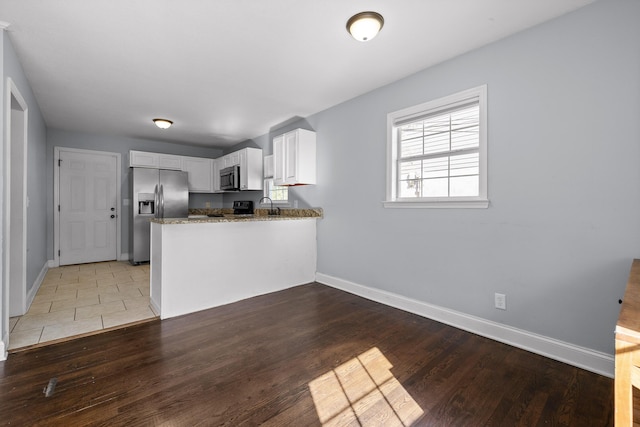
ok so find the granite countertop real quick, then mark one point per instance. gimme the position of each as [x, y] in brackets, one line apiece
[199, 216]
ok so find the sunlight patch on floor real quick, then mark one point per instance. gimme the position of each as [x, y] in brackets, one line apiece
[363, 392]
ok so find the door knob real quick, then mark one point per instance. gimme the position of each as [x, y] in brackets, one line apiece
[113, 209]
[113, 216]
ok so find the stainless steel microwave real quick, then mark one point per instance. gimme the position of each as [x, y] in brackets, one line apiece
[230, 178]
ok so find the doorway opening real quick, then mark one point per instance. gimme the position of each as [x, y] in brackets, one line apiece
[15, 202]
[14, 213]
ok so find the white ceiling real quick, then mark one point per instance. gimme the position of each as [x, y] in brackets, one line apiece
[229, 70]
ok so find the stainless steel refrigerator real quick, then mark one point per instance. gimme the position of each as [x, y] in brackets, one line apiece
[155, 193]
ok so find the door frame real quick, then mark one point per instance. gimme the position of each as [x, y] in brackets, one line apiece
[56, 199]
[15, 176]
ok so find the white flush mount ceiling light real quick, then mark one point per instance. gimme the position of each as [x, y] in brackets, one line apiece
[364, 26]
[163, 123]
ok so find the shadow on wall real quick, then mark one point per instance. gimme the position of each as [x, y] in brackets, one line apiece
[295, 122]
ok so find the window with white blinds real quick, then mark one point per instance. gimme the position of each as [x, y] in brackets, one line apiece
[437, 153]
[277, 193]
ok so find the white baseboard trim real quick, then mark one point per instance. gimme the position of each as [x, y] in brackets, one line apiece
[124, 256]
[52, 263]
[581, 357]
[36, 285]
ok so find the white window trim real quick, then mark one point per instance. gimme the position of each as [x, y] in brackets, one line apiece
[480, 201]
[280, 203]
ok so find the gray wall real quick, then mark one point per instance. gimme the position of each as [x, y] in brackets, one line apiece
[36, 178]
[564, 182]
[122, 145]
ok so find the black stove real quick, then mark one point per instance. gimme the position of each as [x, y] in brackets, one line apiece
[243, 207]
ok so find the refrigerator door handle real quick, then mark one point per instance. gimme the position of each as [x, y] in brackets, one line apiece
[156, 202]
[161, 196]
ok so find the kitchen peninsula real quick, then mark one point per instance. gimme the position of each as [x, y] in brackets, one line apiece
[203, 262]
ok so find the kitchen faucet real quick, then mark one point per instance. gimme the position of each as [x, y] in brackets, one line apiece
[271, 210]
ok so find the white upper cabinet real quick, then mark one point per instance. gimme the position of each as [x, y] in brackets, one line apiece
[232, 159]
[141, 159]
[144, 159]
[268, 166]
[170, 161]
[250, 160]
[200, 171]
[278, 160]
[295, 158]
[204, 173]
[217, 165]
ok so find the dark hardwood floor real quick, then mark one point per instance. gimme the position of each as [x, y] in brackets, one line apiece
[310, 355]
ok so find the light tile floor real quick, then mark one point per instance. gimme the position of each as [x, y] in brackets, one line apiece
[80, 299]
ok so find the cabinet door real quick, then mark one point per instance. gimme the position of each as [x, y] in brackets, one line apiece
[291, 157]
[250, 168]
[294, 155]
[216, 166]
[169, 161]
[268, 166]
[278, 160]
[232, 159]
[142, 159]
[200, 172]
[305, 168]
[244, 173]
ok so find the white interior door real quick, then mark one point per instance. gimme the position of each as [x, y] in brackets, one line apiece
[88, 207]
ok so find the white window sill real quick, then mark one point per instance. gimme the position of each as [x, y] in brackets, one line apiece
[474, 203]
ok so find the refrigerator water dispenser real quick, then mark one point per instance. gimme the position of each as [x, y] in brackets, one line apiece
[146, 203]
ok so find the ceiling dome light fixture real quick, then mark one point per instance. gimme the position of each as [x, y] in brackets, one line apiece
[163, 123]
[364, 26]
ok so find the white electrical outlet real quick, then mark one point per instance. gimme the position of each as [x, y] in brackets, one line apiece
[207, 205]
[500, 301]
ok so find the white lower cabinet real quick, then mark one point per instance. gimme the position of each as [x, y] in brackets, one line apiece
[200, 171]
